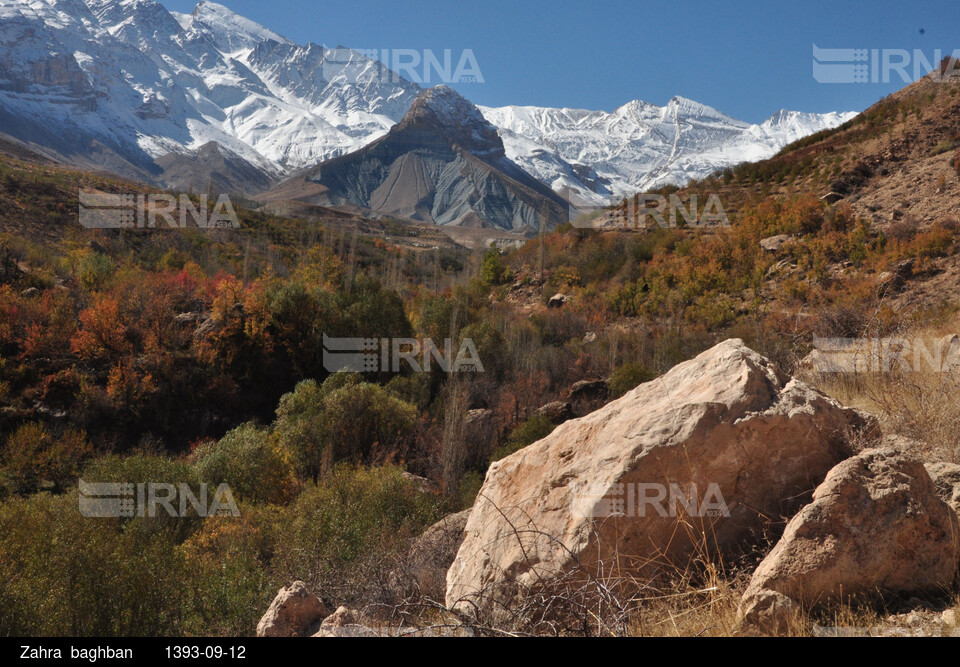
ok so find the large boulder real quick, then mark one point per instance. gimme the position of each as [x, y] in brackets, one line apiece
[692, 463]
[875, 525]
[295, 612]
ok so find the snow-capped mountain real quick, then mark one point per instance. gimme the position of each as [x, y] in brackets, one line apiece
[641, 146]
[140, 82]
[127, 86]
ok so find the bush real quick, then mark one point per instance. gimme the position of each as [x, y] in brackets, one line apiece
[33, 455]
[527, 433]
[65, 574]
[626, 377]
[146, 469]
[95, 270]
[363, 423]
[342, 534]
[69, 575]
[247, 460]
[298, 428]
[344, 419]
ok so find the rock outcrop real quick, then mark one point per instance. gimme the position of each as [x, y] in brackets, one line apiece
[556, 412]
[690, 464]
[295, 612]
[875, 525]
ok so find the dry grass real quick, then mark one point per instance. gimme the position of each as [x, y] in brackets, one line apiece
[917, 400]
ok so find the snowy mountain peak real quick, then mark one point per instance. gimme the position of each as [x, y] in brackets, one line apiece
[444, 110]
[447, 107]
[230, 31]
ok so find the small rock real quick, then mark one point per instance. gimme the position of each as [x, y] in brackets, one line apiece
[293, 613]
[342, 616]
[775, 243]
[769, 613]
[30, 292]
[423, 484]
[352, 630]
[557, 411]
[557, 300]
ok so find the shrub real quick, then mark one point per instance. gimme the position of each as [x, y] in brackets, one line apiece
[33, 454]
[344, 419]
[527, 433]
[149, 469]
[95, 270]
[342, 534]
[65, 574]
[935, 242]
[626, 377]
[298, 428]
[363, 423]
[247, 460]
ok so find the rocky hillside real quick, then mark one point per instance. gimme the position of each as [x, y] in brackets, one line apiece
[443, 163]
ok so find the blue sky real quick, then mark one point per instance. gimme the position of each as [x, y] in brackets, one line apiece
[747, 59]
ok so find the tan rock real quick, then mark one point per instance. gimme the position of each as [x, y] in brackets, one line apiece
[350, 630]
[694, 462]
[557, 411]
[875, 524]
[293, 613]
[342, 616]
[769, 612]
[775, 243]
[946, 480]
[422, 484]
